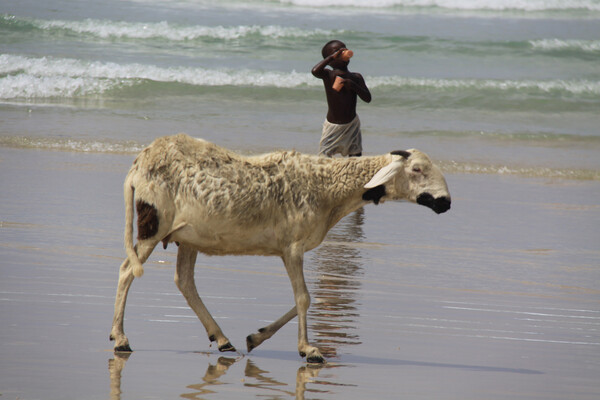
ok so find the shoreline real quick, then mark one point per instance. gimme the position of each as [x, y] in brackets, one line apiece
[131, 148]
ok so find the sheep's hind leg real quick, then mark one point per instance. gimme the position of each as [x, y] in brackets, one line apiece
[255, 339]
[125, 280]
[184, 279]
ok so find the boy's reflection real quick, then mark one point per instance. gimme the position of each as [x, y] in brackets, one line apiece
[338, 262]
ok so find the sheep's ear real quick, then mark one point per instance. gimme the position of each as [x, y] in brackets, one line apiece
[385, 174]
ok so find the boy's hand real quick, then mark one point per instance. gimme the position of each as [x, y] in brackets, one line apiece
[338, 53]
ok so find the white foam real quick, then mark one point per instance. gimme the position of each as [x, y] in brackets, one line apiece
[174, 32]
[588, 46]
[76, 145]
[50, 77]
[468, 5]
[30, 86]
[571, 86]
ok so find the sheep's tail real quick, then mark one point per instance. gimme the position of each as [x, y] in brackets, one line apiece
[134, 261]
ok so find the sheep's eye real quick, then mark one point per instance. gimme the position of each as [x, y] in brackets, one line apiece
[416, 169]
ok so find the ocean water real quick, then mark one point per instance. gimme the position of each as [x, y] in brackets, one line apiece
[483, 86]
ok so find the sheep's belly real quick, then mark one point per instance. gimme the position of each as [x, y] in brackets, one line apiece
[229, 241]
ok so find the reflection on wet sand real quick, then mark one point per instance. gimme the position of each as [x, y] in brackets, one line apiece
[263, 383]
[115, 368]
[333, 312]
[256, 378]
[211, 378]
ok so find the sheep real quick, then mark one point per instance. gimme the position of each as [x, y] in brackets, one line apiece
[211, 200]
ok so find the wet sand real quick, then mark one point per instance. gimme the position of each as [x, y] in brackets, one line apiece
[496, 299]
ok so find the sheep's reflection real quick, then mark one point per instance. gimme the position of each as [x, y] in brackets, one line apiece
[256, 378]
[115, 368]
[210, 378]
[333, 312]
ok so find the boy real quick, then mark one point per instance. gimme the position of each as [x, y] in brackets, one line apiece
[341, 129]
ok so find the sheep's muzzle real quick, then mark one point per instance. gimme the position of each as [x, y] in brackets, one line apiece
[439, 205]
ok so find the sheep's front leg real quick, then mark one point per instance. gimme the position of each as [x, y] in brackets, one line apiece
[293, 260]
[184, 279]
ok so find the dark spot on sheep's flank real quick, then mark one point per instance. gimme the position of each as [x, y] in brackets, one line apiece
[374, 194]
[147, 220]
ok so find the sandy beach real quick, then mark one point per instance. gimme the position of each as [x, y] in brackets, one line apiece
[496, 299]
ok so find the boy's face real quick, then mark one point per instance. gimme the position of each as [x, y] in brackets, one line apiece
[335, 46]
[337, 62]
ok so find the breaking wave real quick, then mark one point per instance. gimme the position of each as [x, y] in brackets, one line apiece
[470, 5]
[107, 29]
[27, 77]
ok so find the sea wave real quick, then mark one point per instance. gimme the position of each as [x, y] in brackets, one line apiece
[577, 87]
[587, 46]
[257, 36]
[27, 77]
[57, 77]
[470, 5]
[107, 29]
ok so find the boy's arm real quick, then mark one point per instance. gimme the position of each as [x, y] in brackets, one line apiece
[359, 87]
[319, 70]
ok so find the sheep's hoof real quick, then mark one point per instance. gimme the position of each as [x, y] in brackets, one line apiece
[123, 349]
[315, 359]
[249, 343]
[227, 347]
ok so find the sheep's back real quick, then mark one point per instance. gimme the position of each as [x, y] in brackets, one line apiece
[229, 185]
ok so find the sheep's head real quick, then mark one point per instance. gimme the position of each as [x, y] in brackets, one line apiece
[412, 176]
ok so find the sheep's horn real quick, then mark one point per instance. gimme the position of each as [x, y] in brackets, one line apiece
[402, 153]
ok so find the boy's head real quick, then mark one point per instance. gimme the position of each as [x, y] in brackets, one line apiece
[331, 47]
